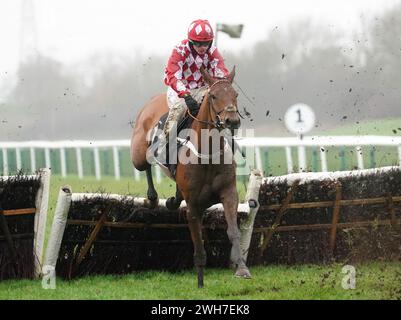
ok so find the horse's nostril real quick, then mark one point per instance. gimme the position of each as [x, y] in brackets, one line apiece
[233, 124]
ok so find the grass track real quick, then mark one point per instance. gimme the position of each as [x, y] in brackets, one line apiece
[378, 280]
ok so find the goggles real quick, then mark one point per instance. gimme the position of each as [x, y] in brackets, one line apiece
[201, 43]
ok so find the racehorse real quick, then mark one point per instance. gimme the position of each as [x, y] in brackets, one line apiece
[200, 185]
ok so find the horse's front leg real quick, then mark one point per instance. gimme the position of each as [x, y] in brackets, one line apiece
[173, 203]
[229, 198]
[194, 216]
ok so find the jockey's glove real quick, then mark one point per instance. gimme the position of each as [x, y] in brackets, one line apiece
[191, 103]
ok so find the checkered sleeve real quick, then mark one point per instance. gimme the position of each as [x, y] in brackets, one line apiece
[173, 73]
[217, 67]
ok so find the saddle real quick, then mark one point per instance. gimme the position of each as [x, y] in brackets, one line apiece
[171, 166]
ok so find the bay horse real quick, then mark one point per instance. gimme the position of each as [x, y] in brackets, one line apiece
[200, 185]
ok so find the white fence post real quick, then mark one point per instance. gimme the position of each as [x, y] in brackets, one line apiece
[79, 163]
[301, 158]
[33, 159]
[97, 163]
[359, 157]
[41, 203]
[323, 159]
[288, 155]
[58, 226]
[258, 159]
[47, 158]
[63, 163]
[399, 154]
[116, 160]
[18, 158]
[5, 162]
[251, 198]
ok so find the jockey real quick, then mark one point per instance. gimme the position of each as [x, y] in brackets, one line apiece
[182, 75]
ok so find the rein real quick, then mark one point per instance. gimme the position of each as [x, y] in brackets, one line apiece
[218, 123]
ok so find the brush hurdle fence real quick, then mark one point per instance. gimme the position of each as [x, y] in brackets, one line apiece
[295, 218]
[81, 237]
[111, 157]
[23, 214]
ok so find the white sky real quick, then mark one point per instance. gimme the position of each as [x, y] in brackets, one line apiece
[73, 30]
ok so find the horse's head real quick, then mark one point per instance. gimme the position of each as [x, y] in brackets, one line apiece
[222, 100]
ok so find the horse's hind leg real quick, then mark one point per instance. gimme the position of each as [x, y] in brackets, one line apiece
[151, 194]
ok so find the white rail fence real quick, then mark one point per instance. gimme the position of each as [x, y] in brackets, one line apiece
[255, 144]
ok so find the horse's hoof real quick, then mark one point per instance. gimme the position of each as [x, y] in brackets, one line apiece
[153, 202]
[152, 196]
[172, 204]
[243, 273]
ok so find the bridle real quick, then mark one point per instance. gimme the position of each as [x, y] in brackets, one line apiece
[218, 123]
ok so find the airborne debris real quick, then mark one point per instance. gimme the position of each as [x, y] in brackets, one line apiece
[247, 113]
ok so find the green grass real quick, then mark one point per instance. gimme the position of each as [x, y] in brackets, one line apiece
[378, 280]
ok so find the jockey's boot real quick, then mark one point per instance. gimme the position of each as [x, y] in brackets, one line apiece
[163, 138]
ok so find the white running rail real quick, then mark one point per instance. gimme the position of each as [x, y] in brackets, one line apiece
[257, 143]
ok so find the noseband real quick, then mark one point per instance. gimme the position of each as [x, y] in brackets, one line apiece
[219, 124]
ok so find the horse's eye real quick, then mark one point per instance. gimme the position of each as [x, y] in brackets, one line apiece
[213, 96]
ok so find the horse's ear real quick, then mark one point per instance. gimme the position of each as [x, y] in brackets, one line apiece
[206, 76]
[231, 76]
